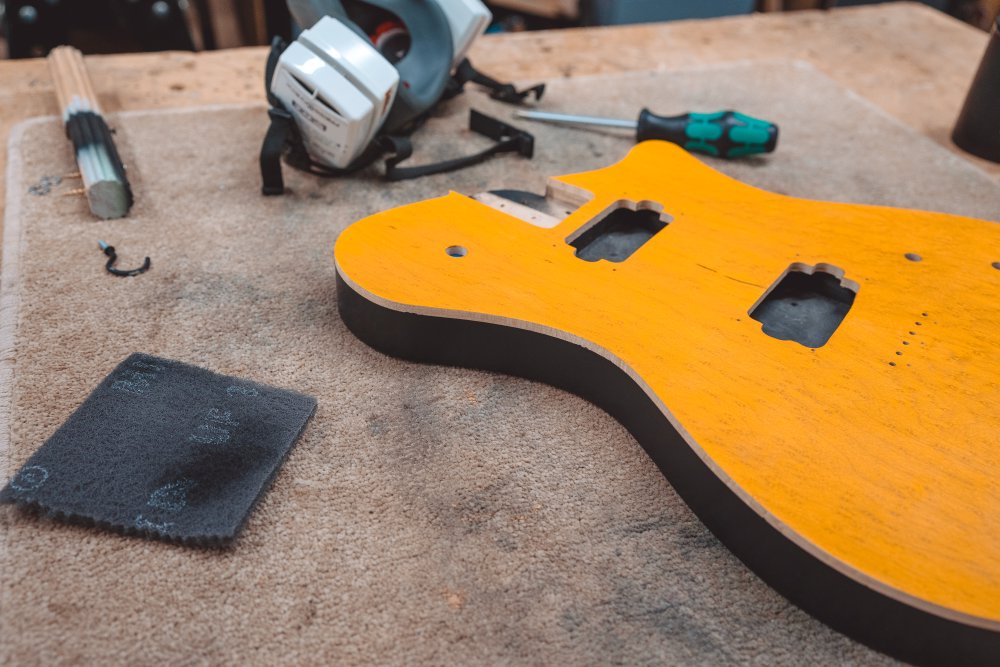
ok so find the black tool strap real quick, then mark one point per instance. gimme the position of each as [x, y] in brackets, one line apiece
[509, 140]
[505, 92]
[283, 137]
[280, 132]
[283, 131]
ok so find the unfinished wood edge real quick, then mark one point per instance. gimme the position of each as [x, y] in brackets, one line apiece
[572, 195]
[519, 211]
[108, 199]
[71, 79]
[748, 500]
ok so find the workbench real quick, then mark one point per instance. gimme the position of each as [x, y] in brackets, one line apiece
[911, 61]
[379, 542]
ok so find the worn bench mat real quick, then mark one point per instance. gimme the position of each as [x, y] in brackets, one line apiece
[428, 515]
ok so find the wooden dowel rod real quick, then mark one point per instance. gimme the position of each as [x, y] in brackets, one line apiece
[102, 172]
[71, 79]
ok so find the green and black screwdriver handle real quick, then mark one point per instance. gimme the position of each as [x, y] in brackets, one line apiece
[725, 134]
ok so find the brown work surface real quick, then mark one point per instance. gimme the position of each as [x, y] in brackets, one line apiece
[912, 61]
[428, 515]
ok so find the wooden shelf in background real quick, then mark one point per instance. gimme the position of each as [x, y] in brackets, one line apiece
[566, 9]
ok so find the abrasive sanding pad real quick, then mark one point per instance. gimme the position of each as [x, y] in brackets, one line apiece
[166, 450]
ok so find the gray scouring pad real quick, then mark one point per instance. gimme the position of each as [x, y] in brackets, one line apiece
[166, 450]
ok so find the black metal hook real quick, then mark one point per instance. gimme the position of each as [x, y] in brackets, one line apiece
[109, 250]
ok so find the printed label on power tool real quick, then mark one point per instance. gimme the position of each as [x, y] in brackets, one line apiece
[324, 132]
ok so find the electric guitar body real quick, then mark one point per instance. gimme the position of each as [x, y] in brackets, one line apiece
[820, 382]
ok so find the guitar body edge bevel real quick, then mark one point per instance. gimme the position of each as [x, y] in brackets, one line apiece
[881, 622]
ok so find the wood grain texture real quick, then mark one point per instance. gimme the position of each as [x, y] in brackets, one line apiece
[70, 79]
[876, 453]
[224, 16]
[879, 51]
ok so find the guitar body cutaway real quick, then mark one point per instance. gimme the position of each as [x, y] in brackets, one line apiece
[819, 381]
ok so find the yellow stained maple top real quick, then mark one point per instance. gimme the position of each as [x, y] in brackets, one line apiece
[878, 452]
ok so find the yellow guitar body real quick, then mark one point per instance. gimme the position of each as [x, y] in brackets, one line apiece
[859, 475]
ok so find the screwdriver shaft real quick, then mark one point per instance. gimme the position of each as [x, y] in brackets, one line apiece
[563, 118]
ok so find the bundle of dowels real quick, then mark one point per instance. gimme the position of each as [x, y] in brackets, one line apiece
[101, 168]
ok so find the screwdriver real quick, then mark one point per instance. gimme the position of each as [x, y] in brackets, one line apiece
[725, 134]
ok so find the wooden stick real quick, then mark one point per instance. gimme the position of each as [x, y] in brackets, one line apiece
[101, 168]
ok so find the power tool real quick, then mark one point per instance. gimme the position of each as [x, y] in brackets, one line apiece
[362, 75]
